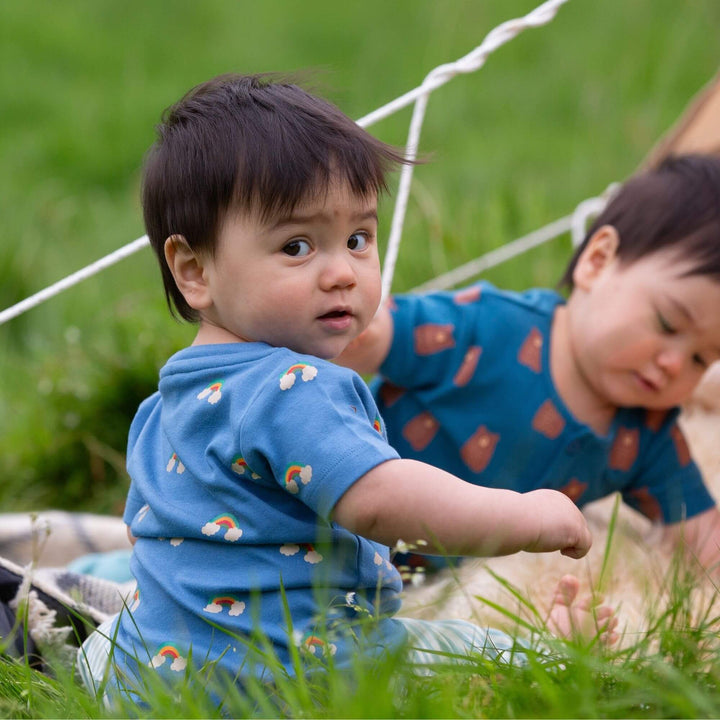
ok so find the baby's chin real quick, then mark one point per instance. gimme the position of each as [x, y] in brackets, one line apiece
[322, 352]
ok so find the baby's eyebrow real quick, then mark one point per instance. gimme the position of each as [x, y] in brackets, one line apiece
[684, 310]
[306, 219]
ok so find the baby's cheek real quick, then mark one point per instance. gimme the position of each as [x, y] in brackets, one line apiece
[707, 390]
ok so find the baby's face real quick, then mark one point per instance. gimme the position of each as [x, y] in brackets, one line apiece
[309, 281]
[644, 333]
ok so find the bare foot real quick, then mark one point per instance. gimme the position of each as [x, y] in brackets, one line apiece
[582, 619]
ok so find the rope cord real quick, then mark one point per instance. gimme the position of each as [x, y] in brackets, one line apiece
[496, 257]
[436, 78]
[73, 279]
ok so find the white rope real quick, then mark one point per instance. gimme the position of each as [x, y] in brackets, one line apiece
[74, 279]
[439, 76]
[474, 60]
[436, 78]
[587, 210]
[496, 257]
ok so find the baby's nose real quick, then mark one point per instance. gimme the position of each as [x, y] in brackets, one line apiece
[337, 272]
[672, 360]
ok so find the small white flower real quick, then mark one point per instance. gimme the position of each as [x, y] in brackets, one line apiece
[417, 579]
[401, 547]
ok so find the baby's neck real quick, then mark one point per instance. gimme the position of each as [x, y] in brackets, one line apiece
[577, 393]
[209, 334]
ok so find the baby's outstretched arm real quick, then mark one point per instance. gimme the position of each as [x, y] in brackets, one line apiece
[699, 536]
[409, 500]
[365, 354]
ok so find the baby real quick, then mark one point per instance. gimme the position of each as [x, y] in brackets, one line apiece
[525, 391]
[264, 494]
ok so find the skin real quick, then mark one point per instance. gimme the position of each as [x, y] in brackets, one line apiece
[636, 333]
[311, 282]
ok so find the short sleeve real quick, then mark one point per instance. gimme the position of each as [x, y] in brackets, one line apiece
[430, 336]
[668, 486]
[315, 430]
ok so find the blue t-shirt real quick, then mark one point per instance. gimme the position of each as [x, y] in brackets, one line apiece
[467, 387]
[236, 465]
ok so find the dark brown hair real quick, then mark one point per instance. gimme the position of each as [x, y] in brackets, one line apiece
[675, 206]
[248, 143]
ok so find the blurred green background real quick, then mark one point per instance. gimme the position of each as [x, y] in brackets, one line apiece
[551, 119]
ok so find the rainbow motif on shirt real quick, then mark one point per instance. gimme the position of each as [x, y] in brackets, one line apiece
[294, 472]
[135, 600]
[317, 646]
[233, 605]
[311, 555]
[213, 392]
[377, 425]
[173, 462]
[306, 372]
[240, 467]
[177, 662]
[224, 521]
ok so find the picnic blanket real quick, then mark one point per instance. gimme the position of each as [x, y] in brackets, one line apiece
[61, 575]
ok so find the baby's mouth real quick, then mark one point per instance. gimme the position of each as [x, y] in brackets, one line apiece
[338, 320]
[334, 314]
[647, 384]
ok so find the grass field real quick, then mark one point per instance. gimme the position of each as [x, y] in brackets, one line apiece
[553, 118]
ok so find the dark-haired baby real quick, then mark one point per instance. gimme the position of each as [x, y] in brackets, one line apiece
[527, 390]
[264, 494]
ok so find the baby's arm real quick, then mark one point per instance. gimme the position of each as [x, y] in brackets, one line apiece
[365, 354]
[701, 536]
[409, 500]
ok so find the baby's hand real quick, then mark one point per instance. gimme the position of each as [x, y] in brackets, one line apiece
[560, 525]
[367, 351]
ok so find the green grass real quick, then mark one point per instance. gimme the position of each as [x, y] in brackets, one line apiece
[553, 118]
[673, 670]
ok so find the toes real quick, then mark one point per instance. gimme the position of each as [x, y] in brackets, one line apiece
[603, 612]
[566, 591]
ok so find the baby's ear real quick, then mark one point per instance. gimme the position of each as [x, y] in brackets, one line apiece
[600, 251]
[187, 268]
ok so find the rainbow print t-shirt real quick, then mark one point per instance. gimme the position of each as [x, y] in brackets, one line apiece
[236, 464]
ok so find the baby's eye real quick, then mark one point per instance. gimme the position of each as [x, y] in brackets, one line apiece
[358, 241]
[698, 360]
[665, 326]
[297, 248]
